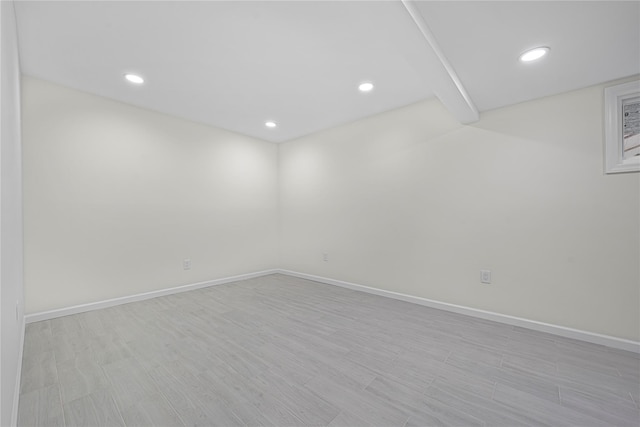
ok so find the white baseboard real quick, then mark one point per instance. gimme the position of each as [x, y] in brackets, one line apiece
[16, 391]
[51, 314]
[606, 340]
[562, 331]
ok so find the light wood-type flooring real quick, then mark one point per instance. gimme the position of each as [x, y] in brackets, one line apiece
[282, 351]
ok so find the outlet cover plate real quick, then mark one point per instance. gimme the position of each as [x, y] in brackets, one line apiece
[485, 276]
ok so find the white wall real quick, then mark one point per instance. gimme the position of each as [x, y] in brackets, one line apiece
[412, 202]
[117, 196]
[408, 201]
[11, 276]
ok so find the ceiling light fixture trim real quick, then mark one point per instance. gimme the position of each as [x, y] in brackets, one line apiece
[134, 78]
[534, 54]
[365, 87]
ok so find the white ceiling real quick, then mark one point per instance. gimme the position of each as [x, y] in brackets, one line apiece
[236, 64]
[591, 42]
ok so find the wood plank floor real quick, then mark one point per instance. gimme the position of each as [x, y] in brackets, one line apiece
[283, 351]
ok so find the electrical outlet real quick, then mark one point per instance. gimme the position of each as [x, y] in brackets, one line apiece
[186, 264]
[325, 257]
[485, 276]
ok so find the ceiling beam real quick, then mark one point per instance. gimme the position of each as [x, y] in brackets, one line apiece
[446, 85]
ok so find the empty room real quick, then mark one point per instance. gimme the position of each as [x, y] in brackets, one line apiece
[320, 213]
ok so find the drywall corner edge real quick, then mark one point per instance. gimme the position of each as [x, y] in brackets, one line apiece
[562, 331]
[82, 308]
[16, 393]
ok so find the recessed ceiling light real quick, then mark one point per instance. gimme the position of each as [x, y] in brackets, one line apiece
[270, 124]
[134, 78]
[533, 54]
[365, 87]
